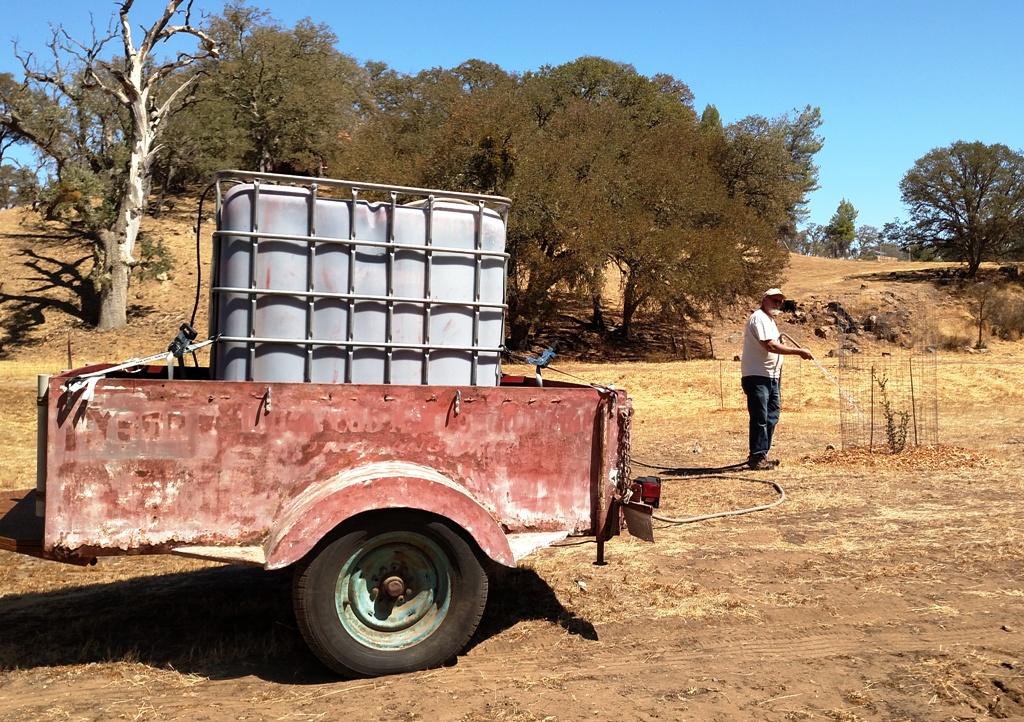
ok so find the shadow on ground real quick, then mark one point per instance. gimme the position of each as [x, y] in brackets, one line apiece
[221, 623]
[48, 278]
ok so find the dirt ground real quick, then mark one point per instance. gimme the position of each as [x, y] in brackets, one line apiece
[882, 588]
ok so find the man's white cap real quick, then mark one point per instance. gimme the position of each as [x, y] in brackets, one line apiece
[773, 292]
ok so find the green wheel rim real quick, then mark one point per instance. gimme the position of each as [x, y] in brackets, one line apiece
[395, 592]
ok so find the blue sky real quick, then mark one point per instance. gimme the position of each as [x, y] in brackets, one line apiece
[893, 79]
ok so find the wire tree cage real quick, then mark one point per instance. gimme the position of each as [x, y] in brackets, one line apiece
[888, 400]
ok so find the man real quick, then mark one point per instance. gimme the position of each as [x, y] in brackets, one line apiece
[761, 371]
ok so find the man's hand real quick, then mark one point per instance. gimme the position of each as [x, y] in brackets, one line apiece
[776, 346]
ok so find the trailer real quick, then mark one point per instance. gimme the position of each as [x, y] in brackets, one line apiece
[389, 472]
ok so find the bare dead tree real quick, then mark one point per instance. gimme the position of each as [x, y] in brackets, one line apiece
[147, 91]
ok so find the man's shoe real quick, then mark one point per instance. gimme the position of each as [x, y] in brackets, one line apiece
[762, 463]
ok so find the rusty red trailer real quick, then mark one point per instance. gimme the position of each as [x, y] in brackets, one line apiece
[259, 472]
[353, 424]
[437, 482]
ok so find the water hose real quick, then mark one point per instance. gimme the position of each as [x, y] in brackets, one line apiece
[713, 473]
[843, 392]
[734, 512]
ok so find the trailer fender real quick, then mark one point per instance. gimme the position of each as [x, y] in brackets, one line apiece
[385, 485]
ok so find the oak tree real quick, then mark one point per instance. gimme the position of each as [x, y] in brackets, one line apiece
[966, 201]
[277, 99]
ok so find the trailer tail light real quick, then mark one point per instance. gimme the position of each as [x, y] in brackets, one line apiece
[648, 489]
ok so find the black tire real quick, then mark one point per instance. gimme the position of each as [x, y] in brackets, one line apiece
[395, 592]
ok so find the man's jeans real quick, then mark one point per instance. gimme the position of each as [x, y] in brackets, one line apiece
[763, 403]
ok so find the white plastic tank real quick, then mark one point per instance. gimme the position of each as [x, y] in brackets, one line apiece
[337, 289]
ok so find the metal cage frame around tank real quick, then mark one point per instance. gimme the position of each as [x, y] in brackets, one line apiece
[498, 204]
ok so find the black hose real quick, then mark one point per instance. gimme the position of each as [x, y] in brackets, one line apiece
[199, 260]
[690, 471]
[716, 473]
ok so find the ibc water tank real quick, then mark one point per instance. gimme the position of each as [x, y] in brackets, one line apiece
[311, 287]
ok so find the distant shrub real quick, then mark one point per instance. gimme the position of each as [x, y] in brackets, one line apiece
[1007, 317]
[952, 341]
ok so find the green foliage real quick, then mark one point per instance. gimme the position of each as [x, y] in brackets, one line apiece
[810, 241]
[769, 164]
[756, 167]
[896, 420]
[9, 135]
[604, 166]
[80, 138]
[803, 142]
[872, 244]
[80, 198]
[155, 259]
[841, 231]
[607, 168]
[711, 121]
[966, 202]
[904, 235]
[276, 99]
[18, 186]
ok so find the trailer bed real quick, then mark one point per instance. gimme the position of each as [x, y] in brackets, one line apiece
[140, 463]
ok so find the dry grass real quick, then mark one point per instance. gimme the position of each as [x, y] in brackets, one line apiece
[18, 421]
[596, 596]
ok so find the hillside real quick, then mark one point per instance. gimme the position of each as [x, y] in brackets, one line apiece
[45, 286]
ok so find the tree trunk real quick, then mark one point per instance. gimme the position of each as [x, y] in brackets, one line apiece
[518, 334]
[119, 241]
[597, 319]
[596, 288]
[112, 281]
[630, 303]
[158, 209]
[981, 322]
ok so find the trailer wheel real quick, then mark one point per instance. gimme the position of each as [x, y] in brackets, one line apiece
[396, 592]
